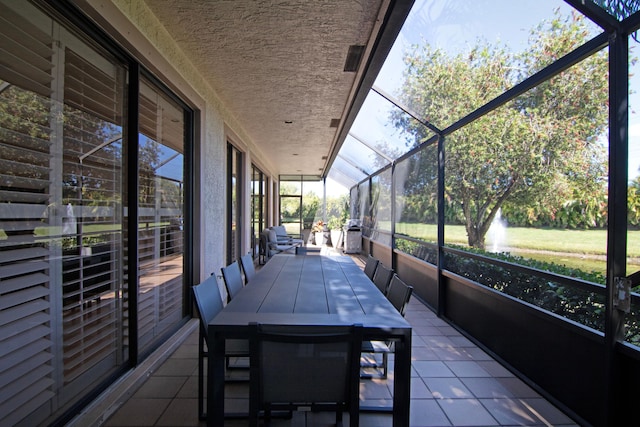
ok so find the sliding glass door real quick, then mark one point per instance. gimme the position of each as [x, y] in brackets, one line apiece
[63, 319]
[259, 210]
[72, 316]
[234, 203]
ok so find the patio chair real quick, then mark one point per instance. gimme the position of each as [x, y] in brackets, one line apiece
[209, 303]
[273, 245]
[398, 295]
[285, 238]
[370, 266]
[263, 248]
[382, 277]
[232, 280]
[311, 368]
[247, 267]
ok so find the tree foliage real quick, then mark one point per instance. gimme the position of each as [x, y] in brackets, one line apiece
[537, 149]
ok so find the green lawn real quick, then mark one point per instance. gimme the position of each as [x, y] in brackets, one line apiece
[589, 242]
[583, 249]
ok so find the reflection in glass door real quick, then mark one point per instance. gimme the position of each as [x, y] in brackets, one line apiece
[62, 323]
[160, 215]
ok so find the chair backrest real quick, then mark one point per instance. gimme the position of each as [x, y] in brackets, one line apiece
[272, 237]
[399, 294]
[382, 277]
[263, 245]
[232, 279]
[248, 267]
[280, 230]
[370, 266]
[317, 366]
[208, 301]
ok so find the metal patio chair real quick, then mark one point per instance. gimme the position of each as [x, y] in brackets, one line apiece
[398, 295]
[232, 279]
[370, 266]
[382, 277]
[248, 267]
[311, 368]
[209, 303]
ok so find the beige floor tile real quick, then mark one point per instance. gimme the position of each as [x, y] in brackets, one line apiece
[495, 369]
[447, 388]
[158, 387]
[139, 413]
[547, 412]
[427, 413]
[190, 388]
[486, 388]
[178, 367]
[466, 369]
[511, 412]
[518, 388]
[467, 412]
[181, 412]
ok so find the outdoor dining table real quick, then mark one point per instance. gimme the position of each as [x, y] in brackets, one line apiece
[310, 290]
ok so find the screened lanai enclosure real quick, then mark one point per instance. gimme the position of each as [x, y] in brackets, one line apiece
[489, 152]
[494, 164]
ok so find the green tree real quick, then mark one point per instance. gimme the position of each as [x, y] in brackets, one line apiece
[633, 202]
[338, 207]
[536, 148]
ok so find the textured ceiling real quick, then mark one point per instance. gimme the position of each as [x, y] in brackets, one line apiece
[275, 61]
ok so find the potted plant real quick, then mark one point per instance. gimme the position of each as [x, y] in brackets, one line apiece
[318, 232]
[335, 227]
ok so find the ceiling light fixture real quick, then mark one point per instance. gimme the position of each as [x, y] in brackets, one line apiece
[288, 122]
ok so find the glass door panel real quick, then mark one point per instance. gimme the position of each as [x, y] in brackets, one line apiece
[160, 215]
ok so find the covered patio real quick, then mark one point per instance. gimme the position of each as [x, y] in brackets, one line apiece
[484, 151]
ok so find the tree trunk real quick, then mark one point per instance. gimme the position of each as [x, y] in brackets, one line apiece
[475, 237]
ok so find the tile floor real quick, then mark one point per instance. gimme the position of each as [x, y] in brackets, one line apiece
[454, 383]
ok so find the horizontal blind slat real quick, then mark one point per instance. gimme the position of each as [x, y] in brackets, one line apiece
[16, 284]
[39, 346]
[27, 387]
[25, 381]
[16, 342]
[23, 254]
[22, 268]
[20, 297]
[10, 375]
[16, 320]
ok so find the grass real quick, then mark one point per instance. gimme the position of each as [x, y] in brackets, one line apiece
[593, 242]
[584, 249]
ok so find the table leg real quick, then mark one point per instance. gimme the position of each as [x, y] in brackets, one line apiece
[402, 382]
[215, 379]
